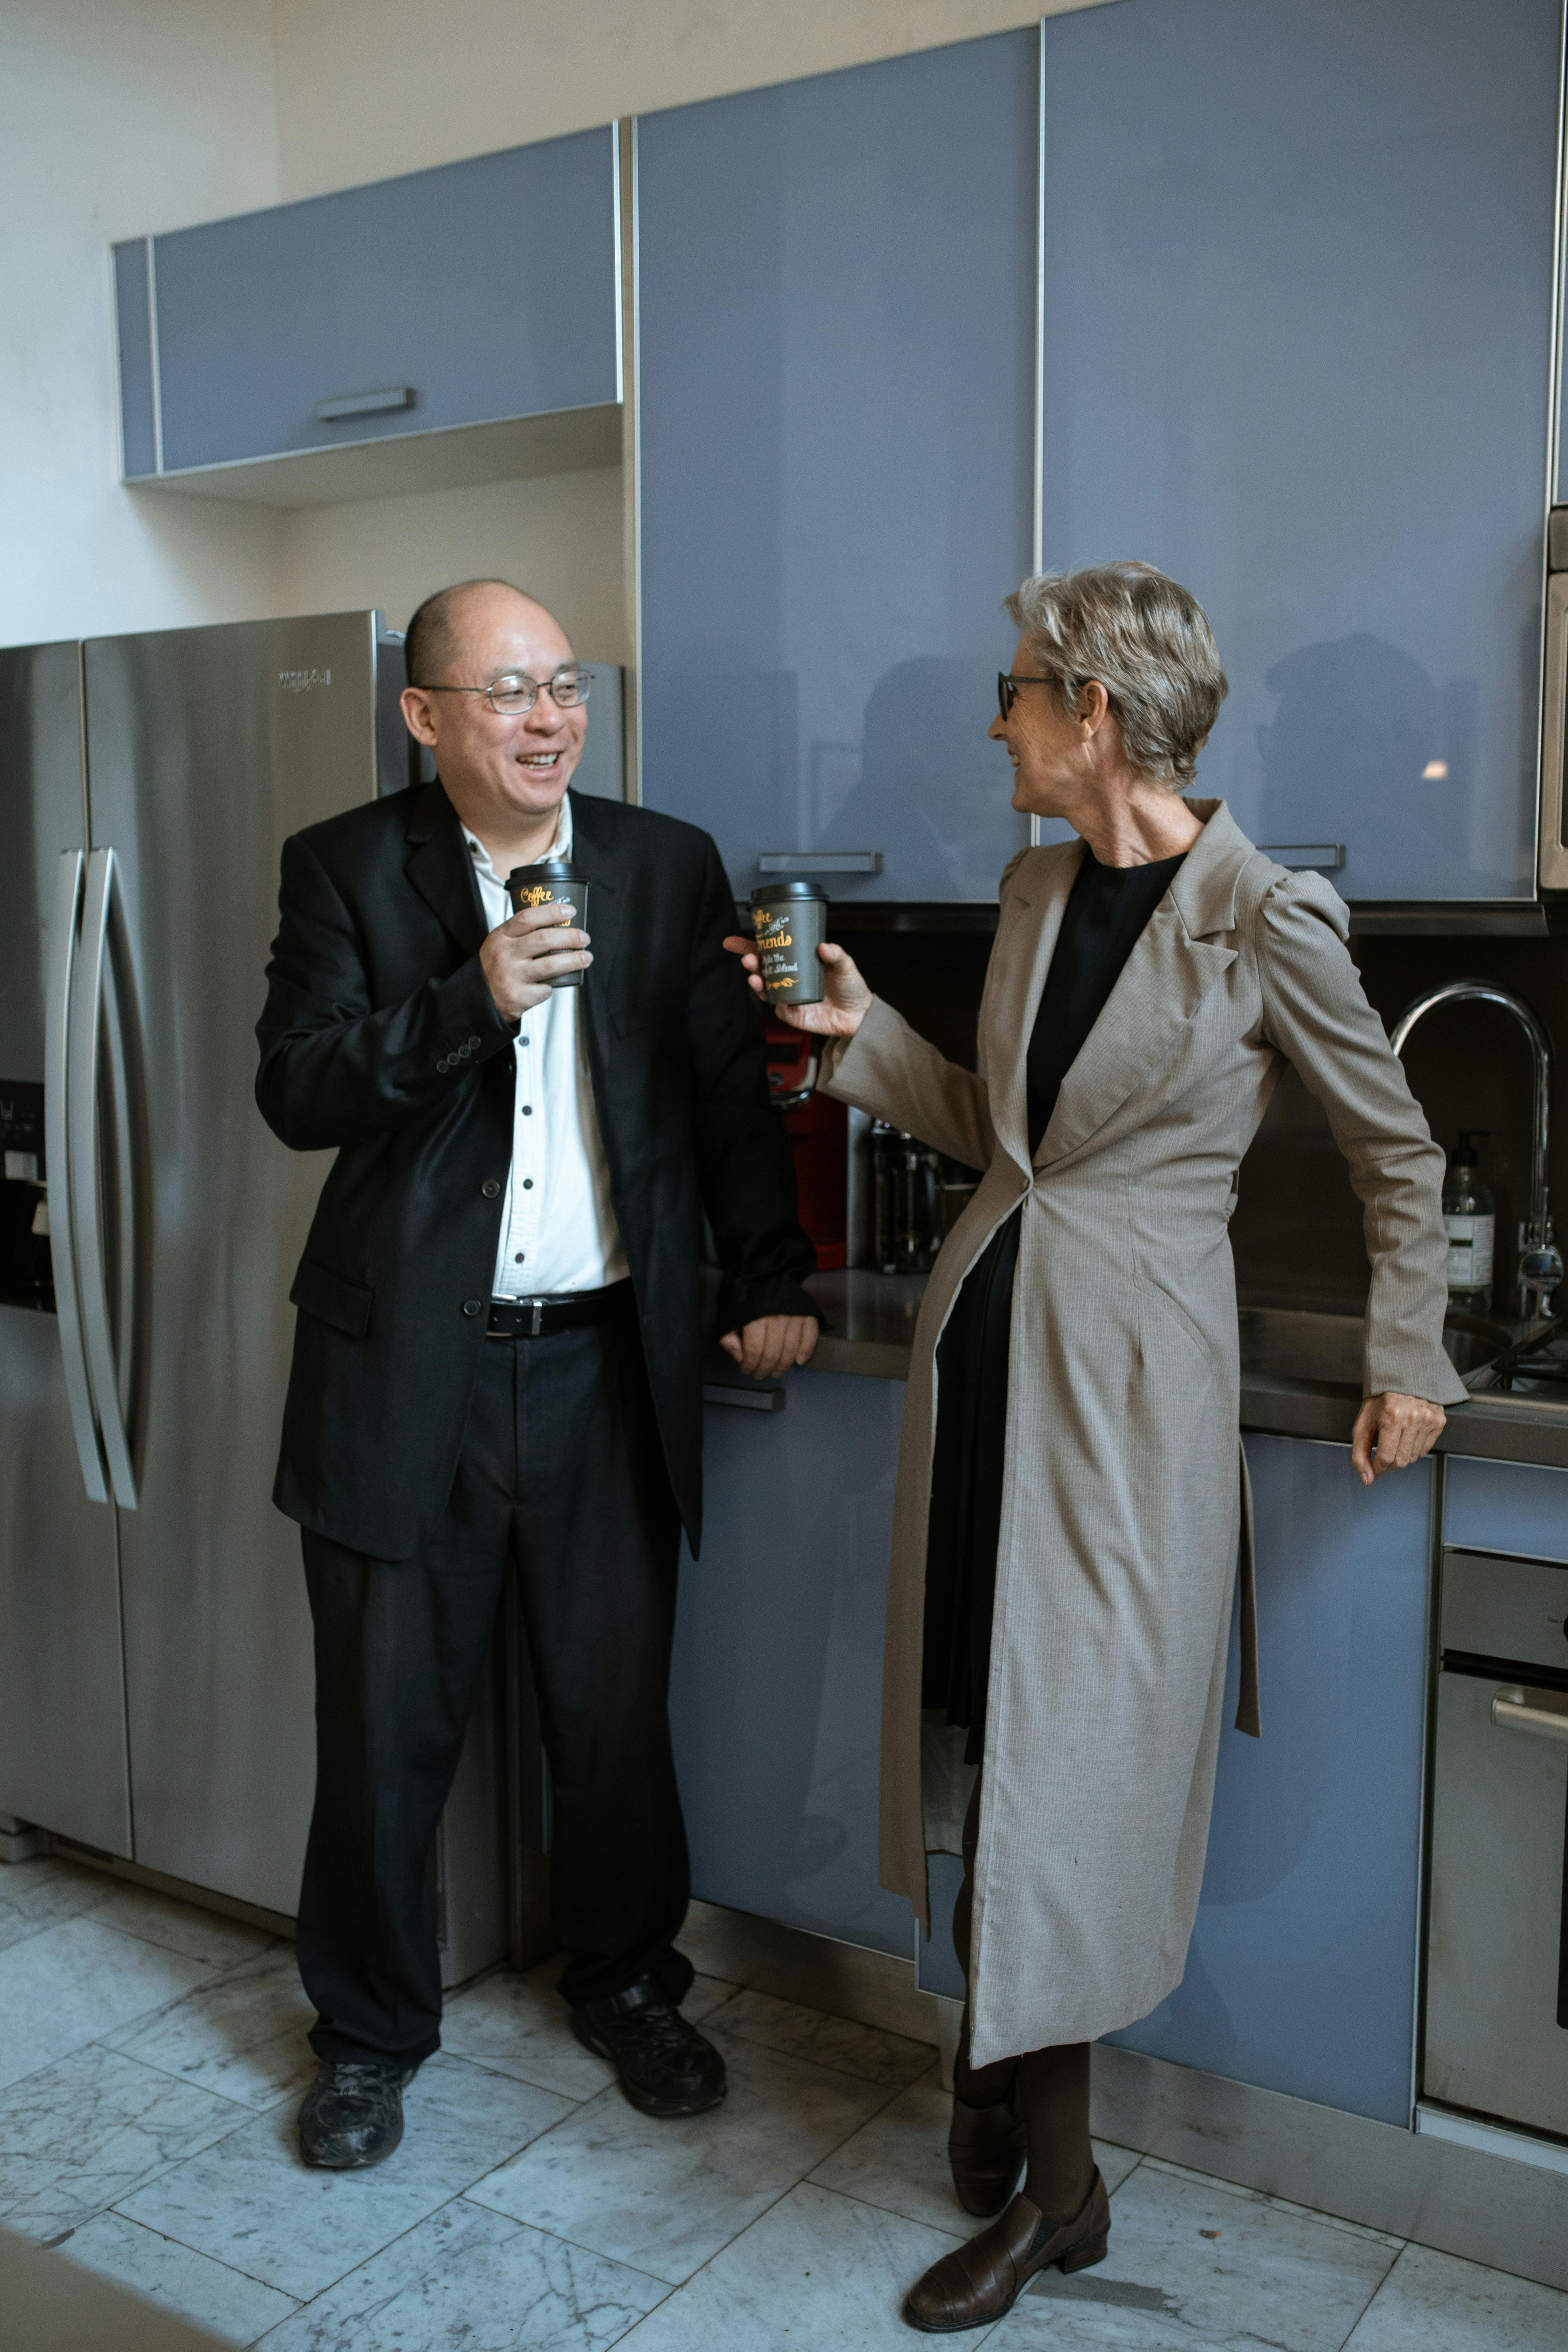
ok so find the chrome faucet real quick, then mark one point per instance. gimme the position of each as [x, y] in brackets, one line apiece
[1541, 1266]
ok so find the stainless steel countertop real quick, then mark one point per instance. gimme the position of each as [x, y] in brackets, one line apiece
[872, 1320]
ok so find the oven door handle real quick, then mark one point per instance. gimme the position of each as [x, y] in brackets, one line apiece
[1512, 1712]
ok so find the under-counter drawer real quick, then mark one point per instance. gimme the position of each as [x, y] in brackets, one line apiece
[1505, 1507]
[1511, 1608]
[481, 290]
[1496, 1979]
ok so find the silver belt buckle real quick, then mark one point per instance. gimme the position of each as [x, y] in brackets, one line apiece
[537, 1325]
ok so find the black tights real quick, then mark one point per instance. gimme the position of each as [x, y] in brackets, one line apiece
[1052, 2085]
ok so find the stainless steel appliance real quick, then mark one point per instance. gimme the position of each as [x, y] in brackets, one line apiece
[1552, 817]
[917, 1196]
[1497, 1959]
[156, 1667]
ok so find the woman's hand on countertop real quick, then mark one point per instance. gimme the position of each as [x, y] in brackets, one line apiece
[841, 1011]
[1402, 1428]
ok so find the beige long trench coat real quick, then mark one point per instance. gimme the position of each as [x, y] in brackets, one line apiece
[1121, 1516]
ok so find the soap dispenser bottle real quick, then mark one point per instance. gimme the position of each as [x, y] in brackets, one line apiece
[1470, 1217]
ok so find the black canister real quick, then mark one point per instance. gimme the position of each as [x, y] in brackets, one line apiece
[790, 920]
[555, 882]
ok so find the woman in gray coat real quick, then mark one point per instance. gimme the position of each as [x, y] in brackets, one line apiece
[1071, 1503]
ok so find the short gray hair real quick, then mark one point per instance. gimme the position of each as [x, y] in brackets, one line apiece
[1148, 642]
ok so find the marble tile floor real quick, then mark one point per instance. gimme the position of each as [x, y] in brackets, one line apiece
[151, 2057]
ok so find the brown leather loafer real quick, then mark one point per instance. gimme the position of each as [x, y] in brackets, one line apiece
[986, 2147]
[983, 2281]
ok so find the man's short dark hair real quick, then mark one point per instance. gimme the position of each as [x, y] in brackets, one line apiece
[430, 642]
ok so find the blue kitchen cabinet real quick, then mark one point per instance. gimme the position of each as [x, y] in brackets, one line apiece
[483, 290]
[837, 327]
[1301, 1972]
[138, 376]
[936, 1956]
[1516, 1508]
[776, 1687]
[1297, 330]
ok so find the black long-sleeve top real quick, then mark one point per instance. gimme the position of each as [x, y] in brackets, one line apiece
[1107, 909]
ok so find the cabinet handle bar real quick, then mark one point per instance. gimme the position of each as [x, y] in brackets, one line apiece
[820, 861]
[755, 1400]
[1299, 856]
[365, 404]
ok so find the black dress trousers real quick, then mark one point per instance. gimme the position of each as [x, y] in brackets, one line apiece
[561, 1469]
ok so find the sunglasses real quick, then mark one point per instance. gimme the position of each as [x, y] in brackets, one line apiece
[1007, 688]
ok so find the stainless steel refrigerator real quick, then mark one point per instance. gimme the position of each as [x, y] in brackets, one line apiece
[155, 1666]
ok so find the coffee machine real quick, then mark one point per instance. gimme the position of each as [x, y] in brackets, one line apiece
[917, 1196]
[818, 1131]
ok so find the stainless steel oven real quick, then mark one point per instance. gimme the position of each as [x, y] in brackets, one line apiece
[1497, 1953]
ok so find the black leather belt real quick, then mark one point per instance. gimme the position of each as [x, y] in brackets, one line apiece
[568, 1310]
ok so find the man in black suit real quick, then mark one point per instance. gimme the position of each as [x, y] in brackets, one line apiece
[499, 1344]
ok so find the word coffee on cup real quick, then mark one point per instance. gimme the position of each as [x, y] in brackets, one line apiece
[790, 919]
[554, 882]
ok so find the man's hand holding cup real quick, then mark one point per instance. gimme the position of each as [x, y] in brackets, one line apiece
[524, 958]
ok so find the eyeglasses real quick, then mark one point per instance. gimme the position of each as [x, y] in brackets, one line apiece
[514, 692]
[1007, 688]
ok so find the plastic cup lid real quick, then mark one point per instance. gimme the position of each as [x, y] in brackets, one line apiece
[791, 887]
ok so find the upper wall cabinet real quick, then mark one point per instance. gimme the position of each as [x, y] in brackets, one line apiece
[837, 332]
[476, 295]
[1298, 296]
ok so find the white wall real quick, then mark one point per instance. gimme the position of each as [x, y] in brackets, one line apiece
[368, 88]
[118, 116]
[559, 536]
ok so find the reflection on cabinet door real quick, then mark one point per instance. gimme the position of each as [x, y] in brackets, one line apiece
[483, 290]
[1302, 1973]
[1297, 353]
[776, 1687]
[835, 402]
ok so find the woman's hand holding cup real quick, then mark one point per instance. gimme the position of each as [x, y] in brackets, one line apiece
[845, 1002]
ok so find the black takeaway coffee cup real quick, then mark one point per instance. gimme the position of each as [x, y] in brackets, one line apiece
[553, 884]
[789, 920]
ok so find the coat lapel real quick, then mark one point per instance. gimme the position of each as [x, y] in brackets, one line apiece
[440, 868]
[593, 851]
[1031, 917]
[1161, 984]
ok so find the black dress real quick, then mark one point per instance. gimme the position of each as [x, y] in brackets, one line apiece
[1105, 914]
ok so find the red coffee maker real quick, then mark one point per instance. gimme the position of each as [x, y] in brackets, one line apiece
[818, 1129]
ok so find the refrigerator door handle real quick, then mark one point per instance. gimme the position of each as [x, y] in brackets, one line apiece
[83, 1139]
[57, 1161]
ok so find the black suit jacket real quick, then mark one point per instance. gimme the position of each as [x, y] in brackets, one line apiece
[380, 1039]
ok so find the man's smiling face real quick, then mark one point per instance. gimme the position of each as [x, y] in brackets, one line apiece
[512, 767]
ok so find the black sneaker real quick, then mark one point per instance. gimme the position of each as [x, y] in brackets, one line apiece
[352, 2113]
[666, 2066]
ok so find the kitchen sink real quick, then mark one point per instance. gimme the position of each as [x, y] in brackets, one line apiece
[1281, 1343]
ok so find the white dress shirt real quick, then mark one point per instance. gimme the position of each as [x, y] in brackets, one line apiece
[558, 1230]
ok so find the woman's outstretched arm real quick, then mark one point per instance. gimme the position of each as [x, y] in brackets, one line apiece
[872, 1058]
